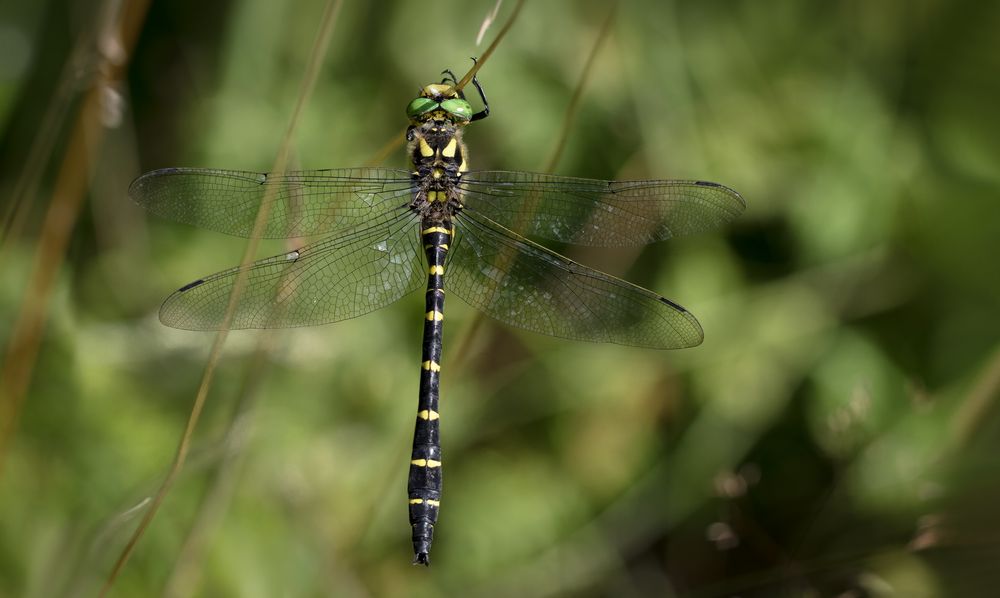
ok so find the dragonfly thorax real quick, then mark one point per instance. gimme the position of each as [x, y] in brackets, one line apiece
[436, 144]
[438, 159]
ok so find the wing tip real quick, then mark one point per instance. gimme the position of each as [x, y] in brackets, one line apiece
[687, 339]
[135, 187]
[172, 318]
[727, 190]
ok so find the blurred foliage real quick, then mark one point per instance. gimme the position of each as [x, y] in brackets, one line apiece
[835, 435]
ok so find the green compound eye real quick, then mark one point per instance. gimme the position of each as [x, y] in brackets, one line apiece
[458, 108]
[420, 106]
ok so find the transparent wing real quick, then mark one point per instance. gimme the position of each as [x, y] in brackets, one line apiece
[363, 270]
[305, 203]
[598, 213]
[525, 285]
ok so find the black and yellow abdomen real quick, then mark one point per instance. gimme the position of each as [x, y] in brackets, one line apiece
[424, 481]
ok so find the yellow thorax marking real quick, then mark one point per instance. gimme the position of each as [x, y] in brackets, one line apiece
[435, 229]
[449, 150]
[433, 503]
[436, 270]
[431, 366]
[428, 414]
[434, 316]
[425, 463]
[436, 173]
[425, 150]
[416, 501]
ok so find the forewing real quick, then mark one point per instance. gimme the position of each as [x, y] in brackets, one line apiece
[305, 203]
[336, 279]
[525, 285]
[598, 213]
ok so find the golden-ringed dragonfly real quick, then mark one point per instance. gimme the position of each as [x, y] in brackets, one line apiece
[440, 227]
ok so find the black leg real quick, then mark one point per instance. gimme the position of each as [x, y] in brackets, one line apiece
[486, 104]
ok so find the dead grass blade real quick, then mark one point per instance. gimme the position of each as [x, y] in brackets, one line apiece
[60, 218]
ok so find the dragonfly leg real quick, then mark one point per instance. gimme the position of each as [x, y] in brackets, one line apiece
[486, 104]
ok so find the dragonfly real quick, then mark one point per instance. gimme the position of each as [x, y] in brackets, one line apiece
[444, 228]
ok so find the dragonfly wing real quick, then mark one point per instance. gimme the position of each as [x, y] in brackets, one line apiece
[527, 286]
[331, 280]
[598, 213]
[305, 203]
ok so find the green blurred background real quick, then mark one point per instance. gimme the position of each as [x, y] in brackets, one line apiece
[835, 435]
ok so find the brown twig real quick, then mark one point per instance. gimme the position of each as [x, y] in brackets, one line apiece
[976, 409]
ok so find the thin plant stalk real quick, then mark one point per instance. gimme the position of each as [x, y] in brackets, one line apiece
[471, 330]
[69, 191]
[308, 83]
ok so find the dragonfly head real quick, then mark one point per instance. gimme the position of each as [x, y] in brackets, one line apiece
[439, 101]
